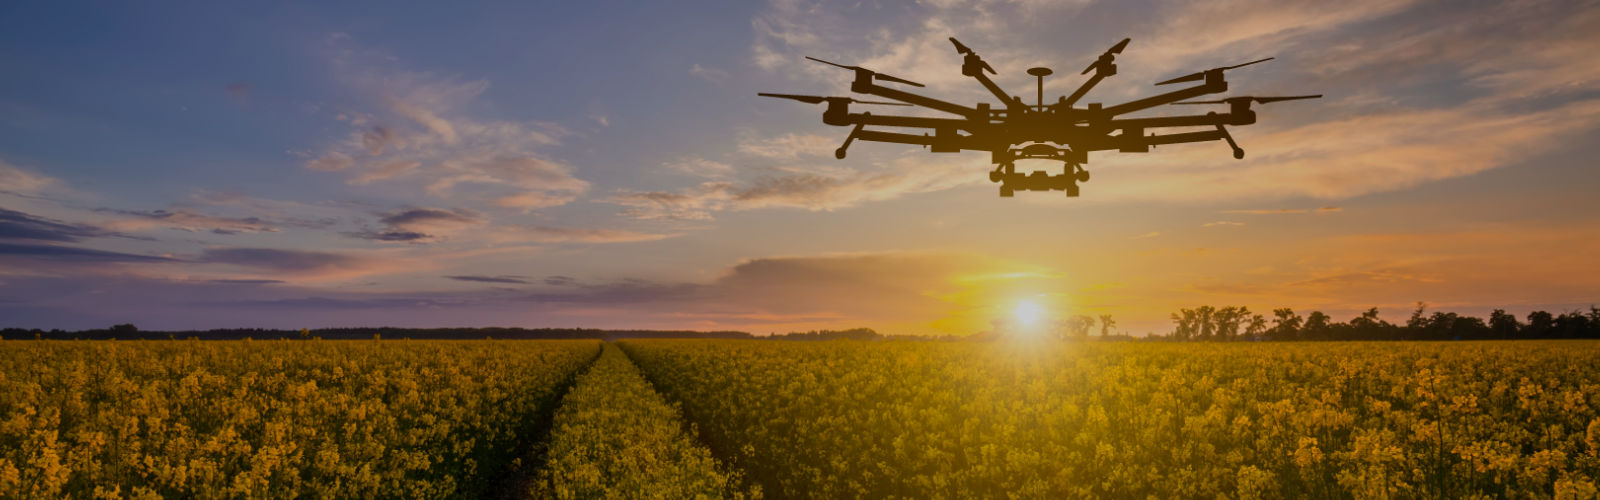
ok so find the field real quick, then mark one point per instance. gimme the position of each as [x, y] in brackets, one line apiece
[954, 420]
[348, 419]
[840, 419]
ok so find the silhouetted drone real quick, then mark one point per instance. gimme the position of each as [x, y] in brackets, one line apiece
[1051, 132]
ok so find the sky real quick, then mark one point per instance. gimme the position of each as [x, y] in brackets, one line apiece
[194, 165]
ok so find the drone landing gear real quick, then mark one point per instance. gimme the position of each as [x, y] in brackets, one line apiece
[1011, 181]
[1238, 152]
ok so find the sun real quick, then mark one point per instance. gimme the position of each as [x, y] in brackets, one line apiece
[1028, 313]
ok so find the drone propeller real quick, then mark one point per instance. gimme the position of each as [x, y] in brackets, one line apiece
[875, 74]
[963, 50]
[1258, 100]
[1114, 50]
[812, 99]
[1201, 75]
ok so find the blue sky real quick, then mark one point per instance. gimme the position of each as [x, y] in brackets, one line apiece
[608, 164]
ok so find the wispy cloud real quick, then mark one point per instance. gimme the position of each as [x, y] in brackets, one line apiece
[788, 146]
[187, 220]
[420, 225]
[516, 280]
[415, 130]
[1277, 211]
[18, 180]
[16, 225]
[820, 188]
[701, 167]
[70, 254]
[310, 265]
[559, 234]
[709, 74]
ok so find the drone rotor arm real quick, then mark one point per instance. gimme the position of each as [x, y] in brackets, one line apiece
[1264, 100]
[1109, 53]
[896, 79]
[831, 63]
[1247, 64]
[960, 49]
[1257, 100]
[880, 103]
[875, 75]
[808, 99]
[1202, 74]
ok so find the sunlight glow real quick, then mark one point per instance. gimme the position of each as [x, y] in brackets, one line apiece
[1028, 313]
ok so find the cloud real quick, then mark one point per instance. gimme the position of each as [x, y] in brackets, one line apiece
[187, 220]
[1250, 26]
[306, 266]
[819, 188]
[431, 218]
[1277, 211]
[420, 225]
[16, 225]
[74, 254]
[18, 180]
[901, 289]
[1385, 151]
[558, 234]
[520, 280]
[789, 146]
[246, 281]
[269, 259]
[416, 132]
[701, 167]
[1148, 235]
[1222, 223]
[712, 75]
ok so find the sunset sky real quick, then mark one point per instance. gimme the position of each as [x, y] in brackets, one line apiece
[609, 165]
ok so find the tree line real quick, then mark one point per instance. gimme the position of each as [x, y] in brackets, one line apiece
[1233, 323]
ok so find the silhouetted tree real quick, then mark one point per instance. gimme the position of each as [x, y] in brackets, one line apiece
[1203, 321]
[1256, 327]
[1540, 325]
[1368, 326]
[1078, 326]
[1285, 324]
[1228, 320]
[1105, 325]
[1316, 326]
[1571, 325]
[1186, 324]
[1504, 325]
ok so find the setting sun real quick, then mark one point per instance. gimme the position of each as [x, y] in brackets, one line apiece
[1028, 313]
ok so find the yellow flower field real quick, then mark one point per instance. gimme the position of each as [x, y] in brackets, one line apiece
[1135, 420]
[615, 437]
[280, 419]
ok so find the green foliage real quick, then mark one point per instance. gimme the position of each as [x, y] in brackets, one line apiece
[1144, 420]
[615, 437]
[273, 419]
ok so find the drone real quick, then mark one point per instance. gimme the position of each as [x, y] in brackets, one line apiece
[1017, 131]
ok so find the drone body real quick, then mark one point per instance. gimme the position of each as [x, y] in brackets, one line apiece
[1059, 131]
